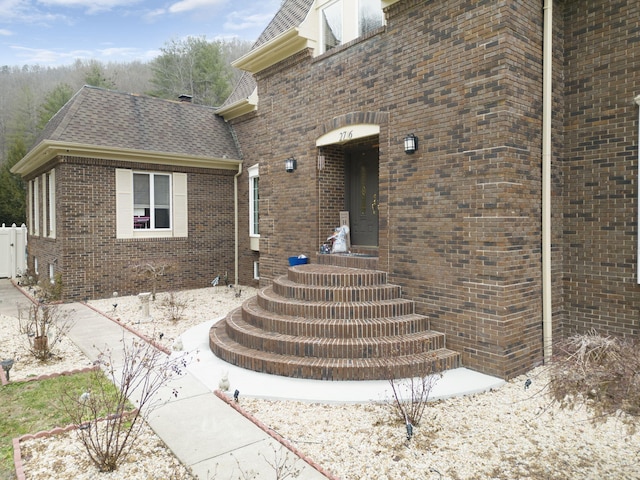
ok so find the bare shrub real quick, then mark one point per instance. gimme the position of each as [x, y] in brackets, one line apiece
[174, 306]
[153, 271]
[144, 372]
[44, 327]
[410, 396]
[600, 372]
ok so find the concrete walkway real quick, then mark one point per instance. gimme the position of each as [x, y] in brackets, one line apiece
[205, 432]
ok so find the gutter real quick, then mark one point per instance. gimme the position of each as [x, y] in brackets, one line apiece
[547, 92]
[235, 213]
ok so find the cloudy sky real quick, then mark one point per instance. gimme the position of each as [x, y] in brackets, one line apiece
[57, 32]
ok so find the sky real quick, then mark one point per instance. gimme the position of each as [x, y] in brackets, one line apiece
[57, 32]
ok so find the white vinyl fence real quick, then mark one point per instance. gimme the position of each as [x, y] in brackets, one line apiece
[13, 250]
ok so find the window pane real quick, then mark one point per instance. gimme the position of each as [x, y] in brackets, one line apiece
[332, 25]
[256, 207]
[141, 190]
[161, 218]
[161, 191]
[370, 14]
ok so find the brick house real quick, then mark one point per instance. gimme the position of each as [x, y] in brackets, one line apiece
[511, 223]
[117, 180]
[508, 229]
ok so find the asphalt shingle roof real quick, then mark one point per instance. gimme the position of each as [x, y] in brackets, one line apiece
[95, 116]
[291, 14]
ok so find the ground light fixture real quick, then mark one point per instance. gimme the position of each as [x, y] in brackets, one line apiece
[6, 366]
[290, 165]
[410, 143]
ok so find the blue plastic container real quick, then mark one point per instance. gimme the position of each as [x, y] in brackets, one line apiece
[293, 261]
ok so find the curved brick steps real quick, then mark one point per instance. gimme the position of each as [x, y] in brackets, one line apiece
[330, 347]
[331, 323]
[253, 314]
[291, 307]
[371, 293]
[329, 368]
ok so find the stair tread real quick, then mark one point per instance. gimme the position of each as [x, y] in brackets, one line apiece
[256, 331]
[232, 345]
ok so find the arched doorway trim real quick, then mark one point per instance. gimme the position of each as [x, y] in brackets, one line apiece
[347, 133]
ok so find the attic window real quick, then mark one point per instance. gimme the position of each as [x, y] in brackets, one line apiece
[332, 26]
[342, 21]
[369, 15]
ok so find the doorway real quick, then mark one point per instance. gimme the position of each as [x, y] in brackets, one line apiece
[362, 198]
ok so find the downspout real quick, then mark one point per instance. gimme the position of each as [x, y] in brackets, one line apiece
[637, 100]
[235, 213]
[547, 93]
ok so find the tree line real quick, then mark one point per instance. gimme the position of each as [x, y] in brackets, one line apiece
[31, 95]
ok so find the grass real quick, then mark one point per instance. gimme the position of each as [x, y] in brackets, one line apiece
[29, 407]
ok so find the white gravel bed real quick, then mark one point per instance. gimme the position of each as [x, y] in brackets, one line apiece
[14, 345]
[63, 457]
[200, 305]
[509, 433]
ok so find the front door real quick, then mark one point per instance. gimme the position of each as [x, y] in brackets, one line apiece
[362, 196]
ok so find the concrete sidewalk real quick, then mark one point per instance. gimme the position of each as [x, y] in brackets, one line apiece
[204, 432]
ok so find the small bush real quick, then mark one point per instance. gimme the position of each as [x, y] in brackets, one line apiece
[44, 327]
[144, 372]
[601, 372]
[174, 306]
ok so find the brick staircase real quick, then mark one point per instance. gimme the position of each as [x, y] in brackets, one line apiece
[330, 322]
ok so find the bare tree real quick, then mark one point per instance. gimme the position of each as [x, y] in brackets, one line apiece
[110, 420]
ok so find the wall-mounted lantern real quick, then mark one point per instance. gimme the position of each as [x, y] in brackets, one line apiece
[410, 143]
[290, 165]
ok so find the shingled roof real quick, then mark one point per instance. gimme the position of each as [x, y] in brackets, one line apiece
[291, 14]
[105, 118]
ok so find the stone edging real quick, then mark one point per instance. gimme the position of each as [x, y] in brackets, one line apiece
[273, 434]
[17, 452]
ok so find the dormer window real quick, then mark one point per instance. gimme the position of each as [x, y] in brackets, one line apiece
[369, 15]
[345, 20]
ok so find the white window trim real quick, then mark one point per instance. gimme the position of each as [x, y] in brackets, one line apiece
[152, 176]
[50, 227]
[179, 220]
[36, 206]
[254, 172]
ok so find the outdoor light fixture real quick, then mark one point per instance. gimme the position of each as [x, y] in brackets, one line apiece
[6, 366]
[290, 164]
[410, 143]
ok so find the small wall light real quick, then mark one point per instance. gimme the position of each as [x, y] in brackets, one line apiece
[410, 143]
[290, 165]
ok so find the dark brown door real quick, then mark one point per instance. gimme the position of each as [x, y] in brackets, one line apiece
[362, 198]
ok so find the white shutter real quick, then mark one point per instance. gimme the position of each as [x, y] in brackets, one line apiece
[180, 205]
[124, 203]
[52, 203]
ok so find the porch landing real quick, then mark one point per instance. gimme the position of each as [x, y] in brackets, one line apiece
[331, 322]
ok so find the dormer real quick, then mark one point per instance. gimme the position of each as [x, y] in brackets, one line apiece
[319, 25]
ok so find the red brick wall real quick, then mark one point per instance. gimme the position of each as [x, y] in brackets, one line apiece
[93, 263]
[600, 166]
[459, 219]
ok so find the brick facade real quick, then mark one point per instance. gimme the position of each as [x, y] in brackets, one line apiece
[460, 220]
[94, 263]
[600, 167]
